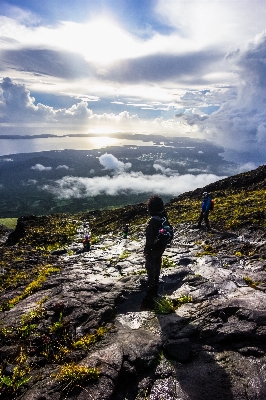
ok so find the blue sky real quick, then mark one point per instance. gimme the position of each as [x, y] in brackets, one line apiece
[172, 67]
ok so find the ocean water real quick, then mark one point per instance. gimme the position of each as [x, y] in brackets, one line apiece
[16, 146]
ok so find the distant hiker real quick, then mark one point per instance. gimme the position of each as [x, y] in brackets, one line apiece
[125, 231]
[153, 249]
[87, 243]
[206, 206]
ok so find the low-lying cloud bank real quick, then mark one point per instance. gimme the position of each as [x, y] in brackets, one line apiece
[126, 183]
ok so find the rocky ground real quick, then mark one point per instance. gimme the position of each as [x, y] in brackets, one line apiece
[211, 346]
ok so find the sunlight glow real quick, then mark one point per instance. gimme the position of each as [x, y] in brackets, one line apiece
[99, 41]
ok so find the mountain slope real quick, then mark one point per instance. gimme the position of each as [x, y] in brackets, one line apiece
[72, 325]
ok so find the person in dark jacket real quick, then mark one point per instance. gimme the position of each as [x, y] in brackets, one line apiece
[86, 243]
[205, 210]
[153, 251]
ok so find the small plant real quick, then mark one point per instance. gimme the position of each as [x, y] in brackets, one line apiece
[164, 305]
[85, 341]
[182, 300]
[74, 374]
[167, 263]
[124, 255]
[57, 325]
[20, 376]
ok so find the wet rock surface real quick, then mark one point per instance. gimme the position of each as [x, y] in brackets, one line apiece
[210, 348]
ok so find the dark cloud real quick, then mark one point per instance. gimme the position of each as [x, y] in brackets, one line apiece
[162, 67]
[46, 62]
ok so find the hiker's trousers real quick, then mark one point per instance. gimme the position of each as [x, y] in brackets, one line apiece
[153, 267]
[204, 216]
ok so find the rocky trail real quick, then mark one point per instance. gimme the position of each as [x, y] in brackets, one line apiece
[211, 346]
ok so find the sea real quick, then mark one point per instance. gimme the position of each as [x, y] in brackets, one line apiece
[26, 145]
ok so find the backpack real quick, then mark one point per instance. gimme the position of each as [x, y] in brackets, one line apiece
[165, 233]
[212, 205]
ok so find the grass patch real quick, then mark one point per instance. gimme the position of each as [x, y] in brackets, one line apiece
[10, 223]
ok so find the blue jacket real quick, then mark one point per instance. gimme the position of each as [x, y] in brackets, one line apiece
[206, 204]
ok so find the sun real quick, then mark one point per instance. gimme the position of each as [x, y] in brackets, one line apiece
[100, 40]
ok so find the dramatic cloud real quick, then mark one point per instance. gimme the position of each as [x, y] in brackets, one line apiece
[239, 125]
[183, 65]
[40, 167]
[108, 161]
[77, 187]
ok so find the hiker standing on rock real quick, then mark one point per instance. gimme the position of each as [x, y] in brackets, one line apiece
[86, 243]
[153, 251]
[205, 210]
[125, 231]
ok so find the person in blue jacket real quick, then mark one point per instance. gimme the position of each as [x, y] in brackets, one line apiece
[205, 210]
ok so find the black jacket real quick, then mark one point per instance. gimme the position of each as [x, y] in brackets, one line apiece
[152, 232]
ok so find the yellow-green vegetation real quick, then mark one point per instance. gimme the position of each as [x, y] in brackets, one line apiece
[250, 282]
[124, 254]
[233, 209]
[168, 263]
[87, 340]
[50, 232]
[9, 222]
[95, 239]
[32, 287]
[208, 249]
[165, 305]
[74, 374]
[58, 324]
[9, 384]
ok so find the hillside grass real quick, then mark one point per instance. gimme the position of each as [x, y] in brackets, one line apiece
[9, 222]
[232, 210]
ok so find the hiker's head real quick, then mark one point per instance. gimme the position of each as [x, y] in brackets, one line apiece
[155, 205]
[86, 237]
[205, 194]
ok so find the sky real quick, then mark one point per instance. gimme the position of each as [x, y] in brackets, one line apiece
[173, 67]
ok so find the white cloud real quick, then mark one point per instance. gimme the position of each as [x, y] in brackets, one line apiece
[40, 167]
[162, 169]
[7, 159]
[209, 22]
[62, 167]
[108, 161]
[78, 187]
